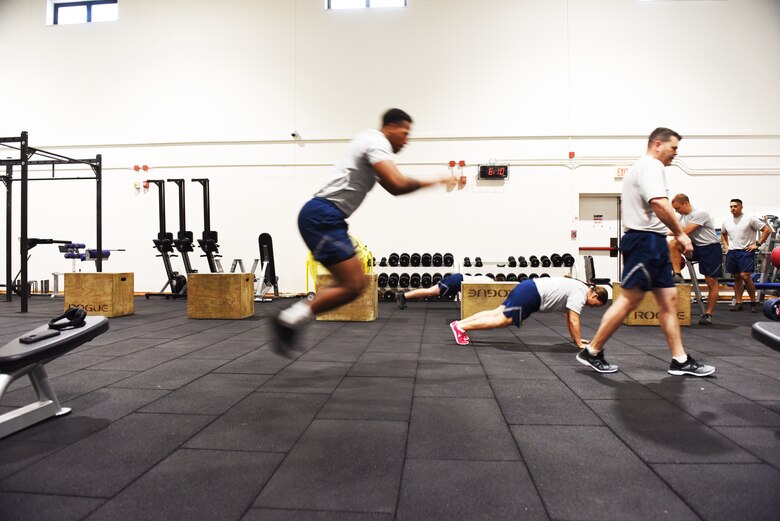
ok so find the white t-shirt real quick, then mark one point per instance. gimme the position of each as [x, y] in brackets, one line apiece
[705, 233]
[354, 175]
[741, 230]
[645, 180]
[561, 293]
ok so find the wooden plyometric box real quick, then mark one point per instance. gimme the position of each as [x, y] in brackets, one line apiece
[647, 312]
[482, 296]
[107, 294]
[365, 308]
[220, 295]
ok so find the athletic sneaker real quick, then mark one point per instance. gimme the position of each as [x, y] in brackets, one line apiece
[597, 362]
[705, 320]
[754, 307]
[678, 278]
[691, 367]
[401, 300]
[461, 338]
[736, 307]
[285, 339]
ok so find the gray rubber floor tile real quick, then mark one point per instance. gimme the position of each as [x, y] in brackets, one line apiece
[125, 347]
[41, 507]
[334, 352]
[259, 361]
[307, 377]
[659, 432]
[341, 465]
[267, 422]
[452, 380]
[587, 473]
[67, 387]
[703, 399]
[17, 452]
[106, 462]
[226, 349]
[727, 492]
[467, 490]
[763, 442]
[516, 365]
[213, 394]
[765, 365]
[272, 514]
[749, 384]
[459, 428]
[590, 385]
[397, 364]
[446, 353]
[370, 399]
[146, 358]
[192, 485]
[541, 402]
[395, 344]
[170, 375]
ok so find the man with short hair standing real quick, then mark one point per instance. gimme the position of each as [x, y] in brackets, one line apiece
[738, 234]
[697, 224]
[646, 213]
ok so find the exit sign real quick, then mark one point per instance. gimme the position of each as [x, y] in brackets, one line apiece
[621, 171]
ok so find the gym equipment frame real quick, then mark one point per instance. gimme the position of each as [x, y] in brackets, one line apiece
[26, 153]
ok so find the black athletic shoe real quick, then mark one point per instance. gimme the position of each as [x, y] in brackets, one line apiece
[754, 307]
[284, 342]
[705, 320]
[596, 362]
[691, 367]
[736, 307]
[401, 300]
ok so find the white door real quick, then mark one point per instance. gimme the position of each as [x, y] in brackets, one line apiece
[599, 233]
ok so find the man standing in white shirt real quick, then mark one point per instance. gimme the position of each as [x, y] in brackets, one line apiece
[738, 234]
[646, 213]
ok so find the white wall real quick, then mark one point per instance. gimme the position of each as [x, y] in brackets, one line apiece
[213, 89]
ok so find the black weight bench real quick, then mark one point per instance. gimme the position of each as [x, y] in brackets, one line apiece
[768, 333]
[18, 359]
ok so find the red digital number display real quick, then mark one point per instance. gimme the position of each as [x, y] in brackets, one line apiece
[493, 171]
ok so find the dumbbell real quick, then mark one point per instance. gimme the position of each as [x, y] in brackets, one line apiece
[511, 277]
[557, 260]
[426, 280]
[392, 280]
[522, 277]
[490, 275]
[403, 280]
[414, 280]
[383, 262]
[426, 259]
[381, 281]
[544, 276]
[404, 259]
[772, 309]
[392, 260]
[534, 261]
[478, 262]
[436, 278]
[533, 276]
[448, 259]
[466, 262]
[500, 277]
[415, 259]
[389, 296]
[546, 263]
[438, 260]
[522, 262]
[512, 262]
[568, 260]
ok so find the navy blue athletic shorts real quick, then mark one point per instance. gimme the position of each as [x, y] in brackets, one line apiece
[450, 285]
[710, 259]
[523, 300]
[740, 261]
[646, 263]
[324, 230]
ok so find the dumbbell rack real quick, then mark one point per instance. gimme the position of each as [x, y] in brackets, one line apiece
[502, 270]
[429, 274]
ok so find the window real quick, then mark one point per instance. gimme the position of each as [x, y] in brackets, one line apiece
[86, 11]
[357, 4]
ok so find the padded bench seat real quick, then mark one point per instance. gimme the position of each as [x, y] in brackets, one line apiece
[18, 359]
[767, 333]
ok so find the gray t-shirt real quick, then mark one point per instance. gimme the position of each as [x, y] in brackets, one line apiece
[354, 175]
[645, 180]
[705, 233]
[741, 231]
[561, 293]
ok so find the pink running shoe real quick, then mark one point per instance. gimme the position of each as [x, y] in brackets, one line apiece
[461, 337]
